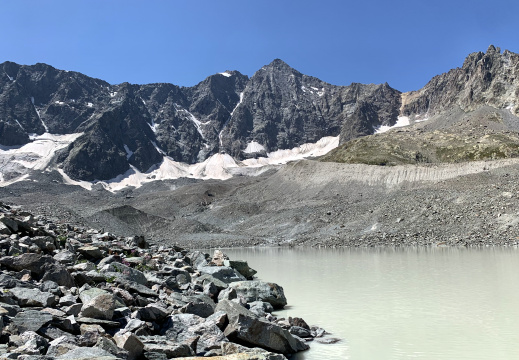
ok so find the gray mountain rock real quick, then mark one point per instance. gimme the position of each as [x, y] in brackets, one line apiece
[126, 127]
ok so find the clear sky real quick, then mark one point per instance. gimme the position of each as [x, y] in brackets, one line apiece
[402, 42]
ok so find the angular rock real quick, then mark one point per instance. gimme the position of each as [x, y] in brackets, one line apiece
[100, 307]
[168, 348]
[242, 267]
[223, 273]
[33, 297]
[254, 332]
[260, 290]
[31, 320]
[184, 327]
[130, 343]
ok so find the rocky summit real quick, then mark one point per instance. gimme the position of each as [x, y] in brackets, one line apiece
[67, 292]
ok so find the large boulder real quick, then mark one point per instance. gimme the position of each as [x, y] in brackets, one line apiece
[255, 332]
[242, 267]
[31, 320]
[222, 273]
[33, 297]
[260, 290]
[186, 327]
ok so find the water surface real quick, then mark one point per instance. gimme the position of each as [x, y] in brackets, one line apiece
[385, 303]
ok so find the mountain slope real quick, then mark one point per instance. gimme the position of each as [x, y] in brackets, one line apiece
[129, 126]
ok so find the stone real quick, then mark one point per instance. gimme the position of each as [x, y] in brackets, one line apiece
[218, 258]
[260, 308]
[124, 272]
[100, 307]
[59, 274]
[260, 290]
[199, 308]
[32, 344]
[256, 353]
[87, 353]
[33, 297]
[153, 312]
[242, 267]
[108, 345]
[65, 257]
[11, 224]
[92, 252]
[31, 320]
[130, 343]
[183, 327]
[300, 332]
[223, 273]
[4, 229]
[254, 332]
[168, 348]
[36, 263]
[327, 340]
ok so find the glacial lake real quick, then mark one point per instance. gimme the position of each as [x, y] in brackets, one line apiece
[399, 303]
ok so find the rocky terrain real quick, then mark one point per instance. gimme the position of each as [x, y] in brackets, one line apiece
[126, 126]
[449, 178]
[68, 292]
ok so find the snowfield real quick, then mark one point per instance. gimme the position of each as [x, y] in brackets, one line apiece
[16, 162]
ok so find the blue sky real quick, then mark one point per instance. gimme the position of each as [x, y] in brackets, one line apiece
[404, 43]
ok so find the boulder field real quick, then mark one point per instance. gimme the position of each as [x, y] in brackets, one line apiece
[67, 292]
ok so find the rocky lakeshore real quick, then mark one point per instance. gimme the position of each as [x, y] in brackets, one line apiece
[68, 292]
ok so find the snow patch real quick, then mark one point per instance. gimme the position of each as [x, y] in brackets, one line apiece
[35, 155]
[303, 151]
[10, 78]
[401, 121]
[113, 94]
[253, 147]
[90, 105]
[129, 153]
[227, 122]
[226, 74]
[39, 117]
[59, 102]
[192, 118]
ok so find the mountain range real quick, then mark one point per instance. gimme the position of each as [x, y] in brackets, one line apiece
[136, 127]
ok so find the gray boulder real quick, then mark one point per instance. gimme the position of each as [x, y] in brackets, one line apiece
[33, 297]
[185, 327]
[242, 267]
[255, 332]
[222, 273]
[260, 290]
[99, 307]
[31, 320]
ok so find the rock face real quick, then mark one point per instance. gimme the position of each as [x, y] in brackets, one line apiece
[133, 301]
[125, 125]
[490, 78]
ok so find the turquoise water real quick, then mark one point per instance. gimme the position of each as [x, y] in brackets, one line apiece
[385, 303]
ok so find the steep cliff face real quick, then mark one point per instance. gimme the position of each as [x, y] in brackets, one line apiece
[129, 125]
[490, 78]
[281, 108]
[471, 112]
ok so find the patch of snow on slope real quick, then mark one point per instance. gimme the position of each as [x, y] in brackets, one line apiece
[278, 157]
[253, 147]
[214, 167]
[232, 112]
[36, 155]
[401, 121]
[226, 74]
[129, 153]
[39, 117]
[192, 118]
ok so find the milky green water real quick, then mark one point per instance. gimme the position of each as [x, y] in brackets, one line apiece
[415, 303]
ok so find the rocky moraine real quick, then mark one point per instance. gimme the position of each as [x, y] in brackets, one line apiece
[67, 292]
